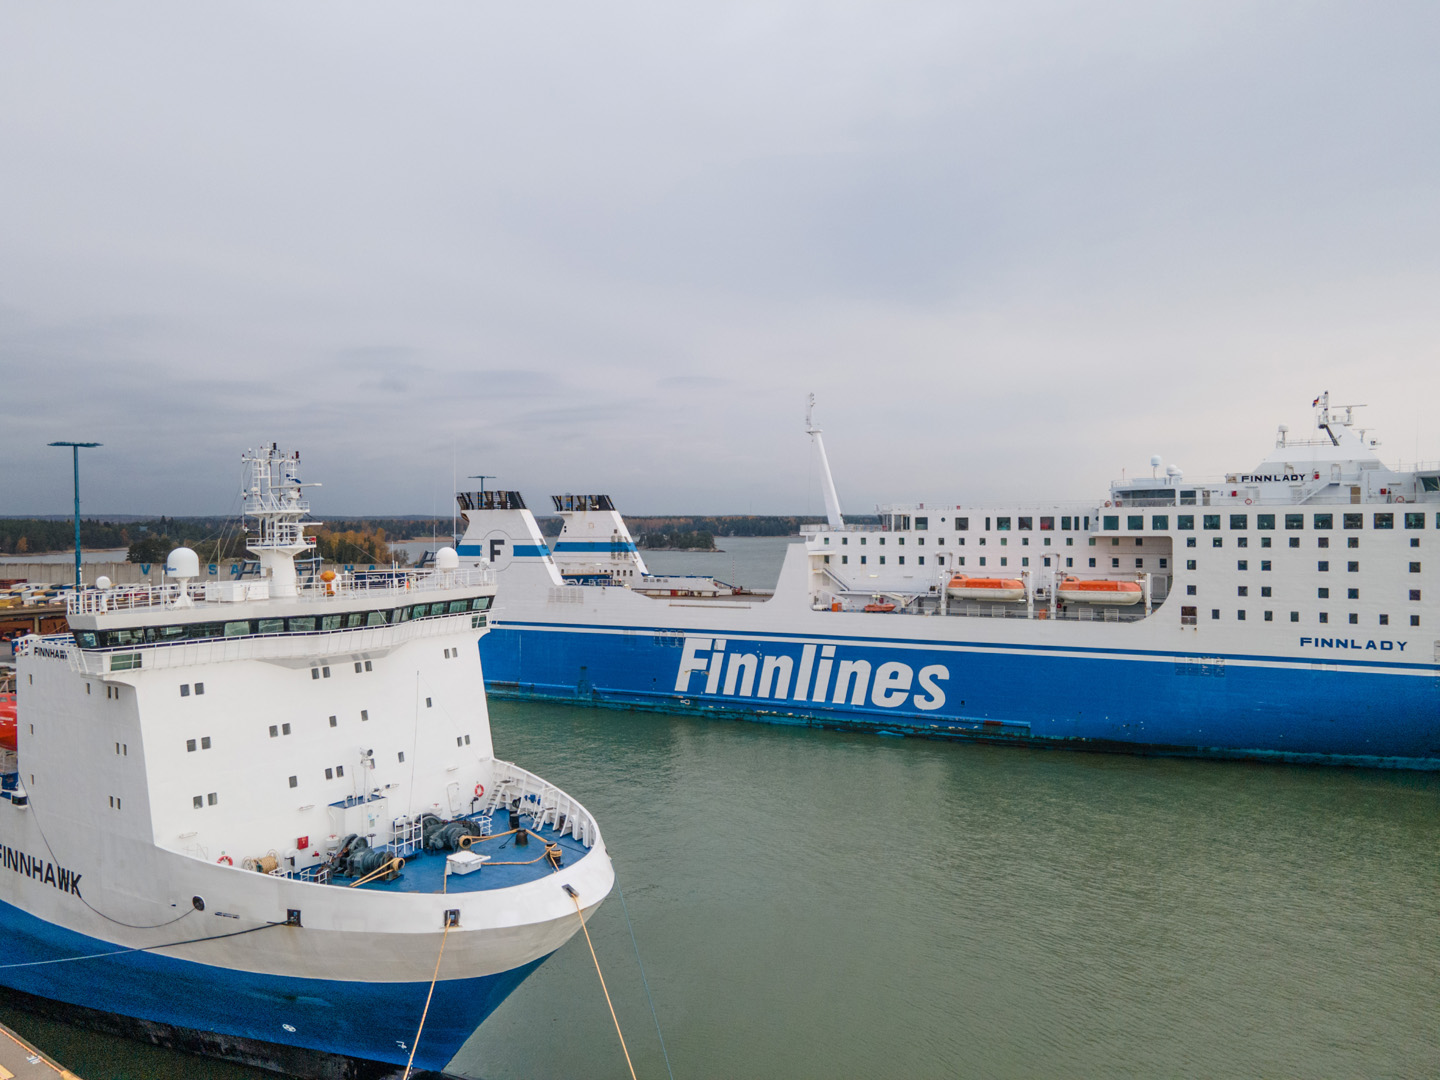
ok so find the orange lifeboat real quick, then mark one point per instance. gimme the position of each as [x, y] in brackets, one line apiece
[1099, 591]
[883, 608]
[7, 721]
[986, 588]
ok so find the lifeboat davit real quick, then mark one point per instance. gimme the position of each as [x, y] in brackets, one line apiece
[1099, 591]
[986, 588]
[7, 721]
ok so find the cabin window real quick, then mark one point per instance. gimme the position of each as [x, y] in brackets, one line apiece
[1354, 521]
[1004, 561]
[1294, 521]
[1026, 523]
[1159, 522]
[329, 774]
[1414, 620]
[1324, 521]
[1239, 521]
[1242, 541]
[301, 624]
[844, 559]
[1185, 522]
[963, 524]
[184, 689]
[1047, 524]
[1269, 616]
[199, 802]
[922, 523]
[982, 561]
[1189, 564]
[237, 629]
[1265, 541]
[355, 618]
[1323, 542]
[1352, 594]
[334, 721]
[1265, 521]
[1069, 563]
[294, 781]
[1352, 567]
[401, 756]
[1217, 541]
[1214, 613]
[1139, 563]
[1112, 522]
[1414, 568]
[1324, 616]
[1002, 524]
[1025, 561]
[271, 626]
[332, 622]
[1323, 593]
[1384, 521]
[189, 746]
[1242, 590]
[1384, 620]
[1135, 521]
[1264, 564]
[364, 714]
[1264, 590]
[862, 560]
[1414, 594]
[1294, 616]
[274, 731]
[1414, 521]
[284, 729]
[1065, 523]
[1242, 564]
[211, 799]
[1190, 590]
[1092, 562]
[1212, 521]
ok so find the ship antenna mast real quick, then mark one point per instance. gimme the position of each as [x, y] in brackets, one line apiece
[272, 495]
[832, 500]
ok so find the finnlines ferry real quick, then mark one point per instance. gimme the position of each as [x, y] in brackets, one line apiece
[1284, 611]
[263, 819]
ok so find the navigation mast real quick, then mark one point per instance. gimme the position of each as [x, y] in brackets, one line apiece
[832, 500]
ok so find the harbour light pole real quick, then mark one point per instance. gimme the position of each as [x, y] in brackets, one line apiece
[75, 454]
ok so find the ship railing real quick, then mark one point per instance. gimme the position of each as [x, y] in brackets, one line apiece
[370, 583]
[542, 800]
[317, 645]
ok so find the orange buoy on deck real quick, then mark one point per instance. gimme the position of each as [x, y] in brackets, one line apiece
[1099, 591]
[979, 588]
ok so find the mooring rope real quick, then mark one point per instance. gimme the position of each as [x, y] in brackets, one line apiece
[644, 980]
[433, 980]
[575, 896]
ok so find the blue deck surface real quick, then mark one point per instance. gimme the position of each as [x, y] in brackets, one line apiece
[509, 864]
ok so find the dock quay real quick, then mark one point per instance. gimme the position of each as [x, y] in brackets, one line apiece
[19, 1059]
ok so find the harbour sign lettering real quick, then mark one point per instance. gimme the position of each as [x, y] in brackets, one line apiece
[38, 869]
[819, 676]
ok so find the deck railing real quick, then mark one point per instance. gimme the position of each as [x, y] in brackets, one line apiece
[550, 805]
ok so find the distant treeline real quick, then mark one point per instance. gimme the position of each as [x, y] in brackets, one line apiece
[34, 536]
[685, 541]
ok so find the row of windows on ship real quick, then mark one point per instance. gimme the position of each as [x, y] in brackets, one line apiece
[294, 624]
[1183, 523]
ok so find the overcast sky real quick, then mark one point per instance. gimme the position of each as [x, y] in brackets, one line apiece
[1013, 248]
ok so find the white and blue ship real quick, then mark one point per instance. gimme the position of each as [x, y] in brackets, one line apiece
[1285, 611]
[264, 819]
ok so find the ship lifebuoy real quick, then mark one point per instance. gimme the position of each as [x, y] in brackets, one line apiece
[479, 791]
[1247, 502]
[1399, 498]
[1107, 502]
[226, 860]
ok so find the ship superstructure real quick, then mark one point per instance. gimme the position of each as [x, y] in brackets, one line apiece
[1286, 610]
[258, 809]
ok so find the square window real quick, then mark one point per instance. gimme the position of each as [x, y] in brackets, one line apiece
[199, 688]
[1352, 567]
[1264, 565]
[284, 729]
[1189, 590]
[1294, 541]
[1218, 541]
[1189, 564]
[1135, 522]
[1264, 590]
[205, 743]
[1324, 521]
[1243, 564]
[1243, 590]
[1264, 541]
[1211, 521]
[1384, 620]
[1185, 522]
[1324, 594]
[314, 673]
[1415, 521]
[1323, 542]
[274, 731]
[1265, 521]
[1294, 616]
[1414, 541]
[184, 689]
[1414, 620]
[1354, 521]
[1352, 541]
[1324, 616]
[1214, 613]
[1269, 616]
[1242, 541]
[1294, 521]
[1414, 568]
[1352, 594]
[199, 802]
[1322, 567]
[1414, 594]
[189, 746]
[1240, 615]
[1239, 521]
[294, 781]
[1354, 618]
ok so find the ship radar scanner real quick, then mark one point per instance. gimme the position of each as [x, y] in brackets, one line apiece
[183, 565]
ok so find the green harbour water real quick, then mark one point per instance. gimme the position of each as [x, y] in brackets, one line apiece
[822, 904]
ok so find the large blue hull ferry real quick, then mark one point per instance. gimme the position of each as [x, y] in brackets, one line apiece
[1280, 612]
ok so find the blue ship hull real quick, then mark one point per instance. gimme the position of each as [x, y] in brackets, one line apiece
[1368, 711]
[286, 1024]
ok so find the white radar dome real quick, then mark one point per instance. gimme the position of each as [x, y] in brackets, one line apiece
[103, 582]
[447, 559]
[1173, 470]
[182, 563]
[1154, 461]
